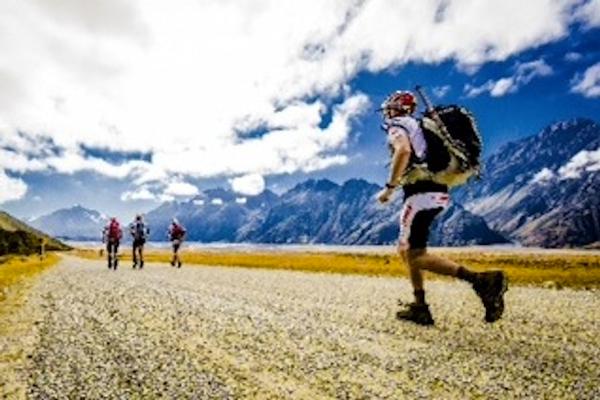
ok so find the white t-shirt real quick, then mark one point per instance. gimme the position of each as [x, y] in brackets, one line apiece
[410, 127]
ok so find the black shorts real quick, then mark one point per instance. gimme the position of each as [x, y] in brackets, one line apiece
[138, 242]
[416, 218]
[112, 246]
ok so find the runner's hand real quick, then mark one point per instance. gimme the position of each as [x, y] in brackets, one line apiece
[384, 195]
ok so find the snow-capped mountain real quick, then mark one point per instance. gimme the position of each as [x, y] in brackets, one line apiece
[216, 215]
[75, 223]
[543, 190]
[314, 211]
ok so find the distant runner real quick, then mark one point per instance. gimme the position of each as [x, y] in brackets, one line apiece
[425, 162]
[111, 236]
[139, 232]
[176, 235]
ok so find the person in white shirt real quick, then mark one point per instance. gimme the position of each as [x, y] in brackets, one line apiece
[424, 200]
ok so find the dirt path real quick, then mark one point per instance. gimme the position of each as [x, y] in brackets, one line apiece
[238, 333]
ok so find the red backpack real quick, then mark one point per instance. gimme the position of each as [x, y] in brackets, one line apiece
[114, 230]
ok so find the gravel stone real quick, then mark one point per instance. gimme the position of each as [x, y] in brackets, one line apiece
[228, 333]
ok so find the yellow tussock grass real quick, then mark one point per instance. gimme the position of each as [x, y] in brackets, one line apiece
[15, 269]
[555, 269]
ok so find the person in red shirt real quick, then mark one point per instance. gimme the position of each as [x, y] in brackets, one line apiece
[111, 236]
[176, 235]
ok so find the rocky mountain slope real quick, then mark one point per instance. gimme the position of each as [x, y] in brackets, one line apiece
[543, 190]
[314, 211]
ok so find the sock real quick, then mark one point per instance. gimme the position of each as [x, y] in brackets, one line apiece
[419, 296]
[466, 275]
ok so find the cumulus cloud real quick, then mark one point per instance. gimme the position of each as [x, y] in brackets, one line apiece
[161, 191]
[181, 189]
[249, 185]
[192, 83]
[142, 193]
[587, 84]
[217, 202]
[524, 73]
[11, 188]
[584, 161]
[589, 14]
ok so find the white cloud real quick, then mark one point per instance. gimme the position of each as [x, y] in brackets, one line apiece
[441, 91]
[589, 13]
[249, 185]
[11, 188]
[241, 200]
[584, 161]
[217, 202]
[544, 175]
[198, 202]
[524, 73]
[161, 192]
[179, 188]
[587, 84]
[573, 56]
[187, 82]
[141, 193]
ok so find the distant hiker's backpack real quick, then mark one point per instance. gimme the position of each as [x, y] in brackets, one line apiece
[114, 230]
[177, 232]
[139, 230]
[453, 153]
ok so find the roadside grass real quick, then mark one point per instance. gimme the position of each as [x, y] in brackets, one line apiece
[16, 274]
[552, 270]
[16, 269]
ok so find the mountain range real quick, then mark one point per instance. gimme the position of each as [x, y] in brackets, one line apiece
[314, 211]
[537, 191]
[543, 190]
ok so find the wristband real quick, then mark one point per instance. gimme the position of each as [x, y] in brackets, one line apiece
[390, 186]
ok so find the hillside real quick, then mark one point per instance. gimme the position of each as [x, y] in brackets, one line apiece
[16, 237]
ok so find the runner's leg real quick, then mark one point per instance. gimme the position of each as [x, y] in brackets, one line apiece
[134, 253]
[115, 255]
[109, 253]
[141, 251]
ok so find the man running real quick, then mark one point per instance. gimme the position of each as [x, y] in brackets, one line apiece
[423, 200]
[139, 231]
[176, 235]
[111, 236]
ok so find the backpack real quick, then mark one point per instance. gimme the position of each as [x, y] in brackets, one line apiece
[177, 232]
[453, 151]
[139, 230]
[114, 230]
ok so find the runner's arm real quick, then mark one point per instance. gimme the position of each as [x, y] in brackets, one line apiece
[400, 160]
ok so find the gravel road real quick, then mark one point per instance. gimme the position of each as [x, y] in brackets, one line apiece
[211, 332]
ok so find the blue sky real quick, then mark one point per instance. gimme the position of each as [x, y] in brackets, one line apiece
[137, 104]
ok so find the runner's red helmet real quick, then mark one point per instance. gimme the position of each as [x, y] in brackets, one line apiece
[402, 101]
